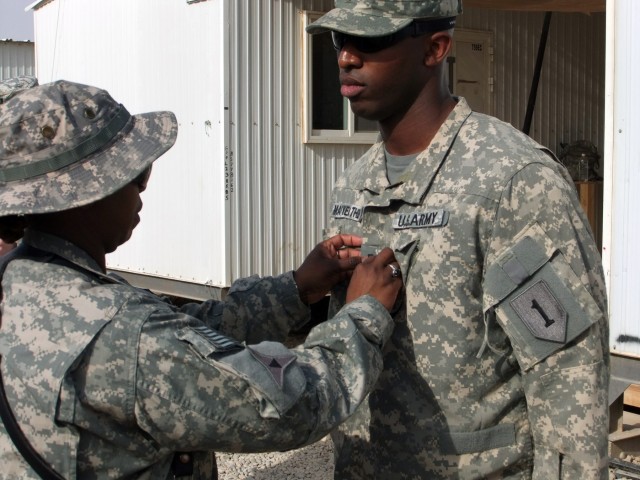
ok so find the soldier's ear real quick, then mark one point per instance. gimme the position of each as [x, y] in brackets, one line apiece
[438, 45]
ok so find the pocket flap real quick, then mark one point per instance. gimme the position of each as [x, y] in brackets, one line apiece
[516, 264]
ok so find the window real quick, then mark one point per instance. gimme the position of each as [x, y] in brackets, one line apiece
[327, 115]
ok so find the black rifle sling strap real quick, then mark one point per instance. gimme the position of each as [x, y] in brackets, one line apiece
[39, 465]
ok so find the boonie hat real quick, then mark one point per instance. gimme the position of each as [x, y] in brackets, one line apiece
[376, 18]
[64, 145]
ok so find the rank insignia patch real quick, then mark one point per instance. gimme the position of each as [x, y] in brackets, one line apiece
[542, 313]
[275, 365]
[221, 342]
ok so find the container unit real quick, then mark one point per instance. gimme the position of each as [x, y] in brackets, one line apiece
[16, 58]
[621, 232]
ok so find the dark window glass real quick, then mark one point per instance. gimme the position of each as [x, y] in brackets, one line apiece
[364, 125]
[327, 104]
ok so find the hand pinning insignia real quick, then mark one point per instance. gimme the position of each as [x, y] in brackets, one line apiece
[275, 365]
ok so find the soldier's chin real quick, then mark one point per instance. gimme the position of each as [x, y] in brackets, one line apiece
[359, 109]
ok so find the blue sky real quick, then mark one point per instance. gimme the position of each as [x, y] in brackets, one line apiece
[15, 23]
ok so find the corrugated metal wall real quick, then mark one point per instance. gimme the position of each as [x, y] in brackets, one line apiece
[282, 186]
[157, 55]
[281, 191]
[570, 100]
[16, 58]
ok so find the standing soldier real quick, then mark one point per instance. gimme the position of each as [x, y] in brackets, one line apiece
[498, 365]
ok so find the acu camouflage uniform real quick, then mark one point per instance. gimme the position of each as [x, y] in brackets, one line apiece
[108, 381]
[498, 365]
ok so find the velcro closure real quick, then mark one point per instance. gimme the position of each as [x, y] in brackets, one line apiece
[515, 265]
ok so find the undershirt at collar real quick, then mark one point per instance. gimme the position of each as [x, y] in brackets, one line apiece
[396, 165]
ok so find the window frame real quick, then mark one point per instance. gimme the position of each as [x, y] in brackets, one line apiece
[311, 135]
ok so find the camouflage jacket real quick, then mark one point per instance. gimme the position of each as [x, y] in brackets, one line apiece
[498, 366]
[108, 381]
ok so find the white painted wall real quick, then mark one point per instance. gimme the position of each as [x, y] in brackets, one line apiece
[157, 55]
[621, 235]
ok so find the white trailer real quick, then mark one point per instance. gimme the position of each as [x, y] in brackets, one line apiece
[16, 58]
[621, 233]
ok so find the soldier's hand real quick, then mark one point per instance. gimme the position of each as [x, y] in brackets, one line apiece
[329, 263]
[378, 276]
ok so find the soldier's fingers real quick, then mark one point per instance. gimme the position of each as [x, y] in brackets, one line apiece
[344, 240]
[348, 252]
[349, 263]
[385, 257]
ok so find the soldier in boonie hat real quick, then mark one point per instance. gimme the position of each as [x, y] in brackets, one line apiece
[83, 352]
[63, 145]
[376, 18]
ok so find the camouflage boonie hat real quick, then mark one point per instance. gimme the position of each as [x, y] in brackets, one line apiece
[64, 145]
[376, 18]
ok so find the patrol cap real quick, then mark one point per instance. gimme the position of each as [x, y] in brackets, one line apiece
[64, 145]
[376, 18]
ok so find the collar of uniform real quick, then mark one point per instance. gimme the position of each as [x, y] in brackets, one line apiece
[417, 178]
[373, 176]
[62, 248]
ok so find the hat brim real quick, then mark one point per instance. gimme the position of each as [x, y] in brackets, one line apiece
[145, 138]
[360, 23]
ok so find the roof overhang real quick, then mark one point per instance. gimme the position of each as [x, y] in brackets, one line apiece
[584, 6]
[37, 4]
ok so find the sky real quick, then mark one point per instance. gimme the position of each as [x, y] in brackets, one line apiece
[15, 23]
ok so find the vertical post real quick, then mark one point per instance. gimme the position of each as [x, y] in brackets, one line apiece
[536, 75]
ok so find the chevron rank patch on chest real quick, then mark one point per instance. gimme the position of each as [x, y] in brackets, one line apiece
[275, 365]
[542, 313]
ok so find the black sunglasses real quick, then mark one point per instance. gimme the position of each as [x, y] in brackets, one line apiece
[375, 44]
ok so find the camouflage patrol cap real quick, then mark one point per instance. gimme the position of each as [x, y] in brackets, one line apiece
[375, 18]
[64, 145]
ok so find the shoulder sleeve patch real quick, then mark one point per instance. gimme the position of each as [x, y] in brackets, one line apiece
[541, 312]
[276, 379]
[275, 364]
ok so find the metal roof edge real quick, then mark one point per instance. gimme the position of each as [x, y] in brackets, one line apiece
[37, 4]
